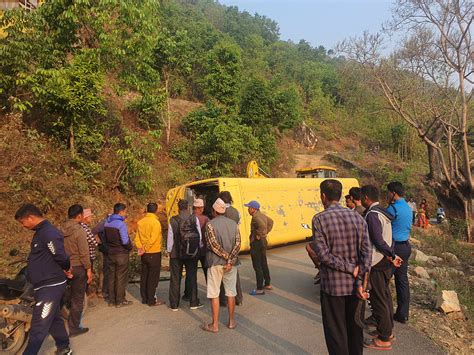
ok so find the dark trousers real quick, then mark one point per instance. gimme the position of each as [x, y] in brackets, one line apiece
[118, 277]
[149, 276]
[47, 319]
[176, 272]
[258, 252]
[187, 281]
[341, 332]
[381, 301]
[403, 250]
[238, 299]
[78, 290]
[103, 270]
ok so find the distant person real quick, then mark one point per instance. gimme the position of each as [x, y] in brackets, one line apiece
[48, 266]
[421, 217]
[426, 208]
[119, 246]
[77, 247]
[383, 257]
[198, 212]
[401, 228]
[260, 226]
[349, 204]
[232, 213]
[343, 248]
[148, 242]
[354, 192]
[174, 249]
[223, 240]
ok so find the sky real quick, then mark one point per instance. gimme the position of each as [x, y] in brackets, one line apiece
[320, 22]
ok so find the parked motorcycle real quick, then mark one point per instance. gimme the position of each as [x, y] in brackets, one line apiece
[16, 310]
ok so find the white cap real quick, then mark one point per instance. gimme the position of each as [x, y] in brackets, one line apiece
[199, 202]
[219, 206]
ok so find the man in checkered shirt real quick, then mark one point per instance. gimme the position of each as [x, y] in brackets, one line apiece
[342, 244]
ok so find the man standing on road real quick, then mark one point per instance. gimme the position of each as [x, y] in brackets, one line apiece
[148, 242]
[383, 257]
[77, 247]
[354, 192]
[260, 226]
[119, 246]
[223, 240]
[401, 228]
[174, 248]
[48, 266]
[343, 248]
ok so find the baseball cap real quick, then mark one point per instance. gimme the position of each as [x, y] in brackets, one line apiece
[253, 204]
[219, 206]
[199, 202]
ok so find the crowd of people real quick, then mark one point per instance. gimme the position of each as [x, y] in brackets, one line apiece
[62, 261]
[356, 248]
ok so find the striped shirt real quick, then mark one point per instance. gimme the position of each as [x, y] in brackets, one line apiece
[341, 241]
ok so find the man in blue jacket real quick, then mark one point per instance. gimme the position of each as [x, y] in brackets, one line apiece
[119, 246]
[401, 228]
[48, 266]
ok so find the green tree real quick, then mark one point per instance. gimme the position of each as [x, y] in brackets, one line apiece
[222, 73]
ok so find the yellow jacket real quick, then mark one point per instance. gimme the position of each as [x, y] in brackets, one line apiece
[149, 234]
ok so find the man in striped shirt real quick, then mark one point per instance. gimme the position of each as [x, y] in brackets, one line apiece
[342, 244]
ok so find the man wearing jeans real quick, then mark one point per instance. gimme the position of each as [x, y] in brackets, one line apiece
[401, 228]
[341, 241]
[223, 240]
[260, 226]
[76, 245]
[119, 246]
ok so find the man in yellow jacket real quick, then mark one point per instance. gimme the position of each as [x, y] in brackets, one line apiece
[148, 242]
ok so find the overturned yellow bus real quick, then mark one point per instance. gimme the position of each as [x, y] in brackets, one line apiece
[290, 202]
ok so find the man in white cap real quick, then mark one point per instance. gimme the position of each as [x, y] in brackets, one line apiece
[223, 242]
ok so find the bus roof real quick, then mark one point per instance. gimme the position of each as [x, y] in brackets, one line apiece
[316, 168]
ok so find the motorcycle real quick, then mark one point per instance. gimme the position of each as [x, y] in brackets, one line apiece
[16, 311]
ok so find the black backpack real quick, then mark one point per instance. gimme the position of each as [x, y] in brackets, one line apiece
[190, 239]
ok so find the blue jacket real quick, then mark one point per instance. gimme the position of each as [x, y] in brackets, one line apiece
[116, 221]
[48, 259]
[401, 225]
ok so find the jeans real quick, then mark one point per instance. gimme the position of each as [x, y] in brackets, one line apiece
[258, 252]
[403, 250]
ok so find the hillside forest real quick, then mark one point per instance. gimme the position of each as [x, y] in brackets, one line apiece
[106, 100]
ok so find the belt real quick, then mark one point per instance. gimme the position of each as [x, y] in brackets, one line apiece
[403, 242]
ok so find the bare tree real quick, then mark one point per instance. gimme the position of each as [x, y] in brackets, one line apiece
[428, 81]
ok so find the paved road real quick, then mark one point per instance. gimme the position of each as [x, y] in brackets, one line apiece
[285, 320]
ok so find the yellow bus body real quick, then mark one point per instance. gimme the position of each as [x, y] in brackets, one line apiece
[290, 202]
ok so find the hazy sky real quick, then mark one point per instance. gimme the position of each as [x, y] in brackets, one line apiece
[320, 22]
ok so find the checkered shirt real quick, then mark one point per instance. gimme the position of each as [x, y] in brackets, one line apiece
[341, 241]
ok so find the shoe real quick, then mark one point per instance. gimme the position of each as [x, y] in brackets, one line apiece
[268, 287]
[173, 309]
[157, 302]
[399, 319]
[199, 305]
[124, 304]
[77, 332]
[65, 351]
[256, 293]
[186, 298]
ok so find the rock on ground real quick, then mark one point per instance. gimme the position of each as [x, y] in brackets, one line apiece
[451, 258]
[448, 302]
[419, 256]
[421, 272]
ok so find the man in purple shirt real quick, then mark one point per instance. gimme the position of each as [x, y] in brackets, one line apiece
[342, 244]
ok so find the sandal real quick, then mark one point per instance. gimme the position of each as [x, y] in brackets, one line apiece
[206, 328]
[268, 287]
[375, 334]
[372, 344]
[256, 293]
